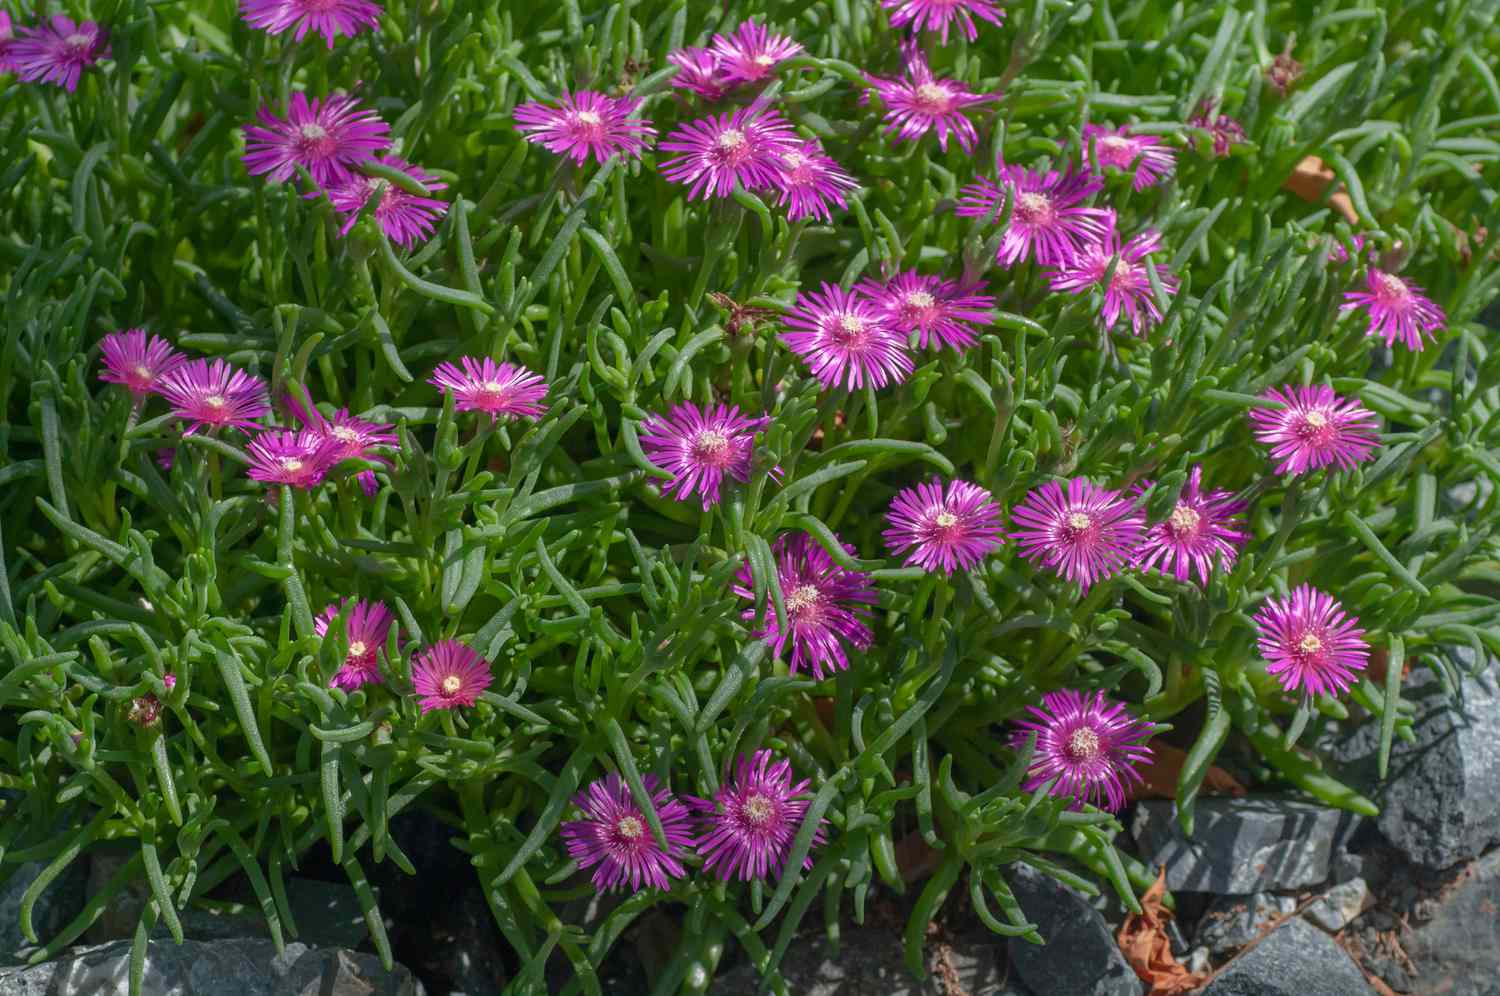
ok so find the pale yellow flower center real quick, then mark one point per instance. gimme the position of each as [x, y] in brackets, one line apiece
[1033, 207]
[945, 519]
[78, 41]
[452, 684]
[1391, 286]
[763, 60]
[1184, 520]
[357, 648]
[712, 442]
[589, 118]
[731, 139]
[142, 371]
[291, 464]
[801, 599]
[1083, 744]
[1316, 419]
[1309, 644]
[759, 810]
[1079, 520]
[920, 299]
[933, 97]
[313, 132]
[344, 434]
[215, 401]
[630, 828]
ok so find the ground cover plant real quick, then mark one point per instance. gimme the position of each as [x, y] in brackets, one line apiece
[746, 455]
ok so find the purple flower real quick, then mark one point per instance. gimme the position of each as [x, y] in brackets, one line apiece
[1339, 254]
[1150, 159]
[845, 340]
[1129, 289]
[939, 15]
[368, 626]
[616, 836]
[750, 824]
[496, 388]
[329, 18]
[1398, 308]
[586, 124]
[327, 138]
[1312, 645]
[922, 102]
[1317, 428]
[746, 146]
[57, 51]
[826, 605]
[282, 456]
[937, 310]
[404, 217]
[1047, 220]
[1225, 131]
[448, 675]
[1202, 531]
[349, 438]
[700, 446]
[751, 52]
[7, 43]
[947, 530]
[699, 72]
[809, 179]
[136, 362]
[212, 395]
[1090, 745]
[1086, 533]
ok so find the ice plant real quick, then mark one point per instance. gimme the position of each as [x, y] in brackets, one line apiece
[751, 52]
[7, 43]
[948, 529]
[57, 51]
[1310, 643]
[1399, 310]
[328, 138]
[1048, 220]
[348, 438]
[284, 456]
[698, 72]
[614, 837]
[1284, 71]
[137, 362]
[700, 446]
[1202, 532]
[403, 216]
[1315, 428]
[1084, 532]
[826, 606]
[1147, 158]
[845, 340]
[747, 146]
[1339, 254]
[586, 123]
[940, 15]
[1089, 747]
[922, 102]
[809, 180]
[212, 395]
[1128, 291]
[368, 626]
[940, 311]
[748, 826]
[448, 675]
[495, 388]
[1224, 130]
[329, 18]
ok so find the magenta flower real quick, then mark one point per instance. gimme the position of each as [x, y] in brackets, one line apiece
[1086, 745]
[1202, 532]
[212, 395]
[349, 438]
[586, 123]
[1146, 157]
[166, 457]
[940, 15]
[826, 605]
[1317, 428]
[616, 836]
[448, 675]
[845, 340]
[1225, 131]
[496, 388]
[282, 456]
[922, 102]
[750, 824]
[1312, 645]
[947, 530]
[700, 446]
[368, 626]
[698, 72]
[327, 138]
[7, 43]
[747, 146]
[751, 52]
[1338, 253]
[937, 310]
[136, 362]
[329, 18]
[1129, 289]
[57, 51]
[1047, 221]
[1085, 533]
[1398, 309]
[809, 179]
[404, 217]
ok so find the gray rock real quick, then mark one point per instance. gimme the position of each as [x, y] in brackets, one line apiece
[1241, 846]
[55, 908]
[123, 911]
[1337, 908]
[1231, 922]
[1080, 956]
[1295, 959]
[327, 915]
[1198, 961]
[1457, 952]
[241, 967]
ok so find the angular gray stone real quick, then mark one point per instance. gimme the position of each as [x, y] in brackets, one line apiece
[1241, 846]
[1457, 952]
[1080, 956]
[1295, 959]
[240, 967]
[55, 908]
[1338, 907]
[1231, 922]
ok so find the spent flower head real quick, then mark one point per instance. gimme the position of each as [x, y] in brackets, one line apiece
[945, 528]
[586, 123]
[614, 837]
[1315, 428]
[749, 825]
[1089, 747]
[1311, 644]
[1224, 131]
